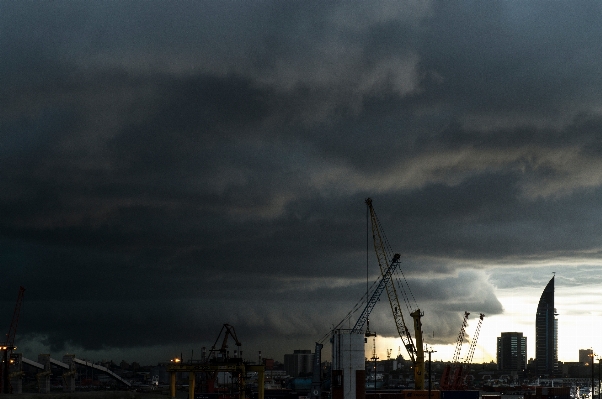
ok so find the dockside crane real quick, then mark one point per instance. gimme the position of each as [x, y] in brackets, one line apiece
[450, 371]
[227, 330]
[415, 351]
[455, 375]
[316, 386]
[9, 343]
[376, 289]
[461, 383]
[383, 282]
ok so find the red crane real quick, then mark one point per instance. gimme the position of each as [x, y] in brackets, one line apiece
[462, 382]
[9, 344]
[455, 375]
[451, 371]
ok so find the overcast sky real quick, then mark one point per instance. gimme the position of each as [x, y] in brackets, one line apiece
[168, 167]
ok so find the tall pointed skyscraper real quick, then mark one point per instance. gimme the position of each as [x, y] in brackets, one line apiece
[546, 333]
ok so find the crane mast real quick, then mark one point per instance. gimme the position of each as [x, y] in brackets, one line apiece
[415, 352]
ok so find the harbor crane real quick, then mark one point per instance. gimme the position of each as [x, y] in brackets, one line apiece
[450, 371]
[384, 281]
[227, 330]
[415, 351]
[222, 353]
[316, 386]
[462, 383]
[455, 374]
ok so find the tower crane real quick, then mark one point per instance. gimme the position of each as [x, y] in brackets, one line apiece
[415, 352]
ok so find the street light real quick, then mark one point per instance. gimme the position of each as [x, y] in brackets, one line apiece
[430, 369]
[599, 367]
[592, 362]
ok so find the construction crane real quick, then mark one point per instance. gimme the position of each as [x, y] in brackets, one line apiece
[450, 370]
[223, 353]
[384, 281]
[227, 330]
[363, 320]
[9, 343]
[415, 352]
[461, 382]
[376, 289]
[455, 375]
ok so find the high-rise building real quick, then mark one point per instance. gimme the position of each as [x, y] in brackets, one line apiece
[512, 352]
[299, 362]
[546, 333]
[585, 356]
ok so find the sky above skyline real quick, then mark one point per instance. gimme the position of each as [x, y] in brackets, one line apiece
[168, 167]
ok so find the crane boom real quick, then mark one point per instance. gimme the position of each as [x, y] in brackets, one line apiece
[449, 374]
[227, 329]
[455, 376]
[473, 344]
[415, 352]
[384, 280]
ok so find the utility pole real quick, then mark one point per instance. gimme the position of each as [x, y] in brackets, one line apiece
[430, 370]
[599, 367]
[592, 355]
[375, 358]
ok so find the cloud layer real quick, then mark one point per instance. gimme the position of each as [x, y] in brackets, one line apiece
[166, 169]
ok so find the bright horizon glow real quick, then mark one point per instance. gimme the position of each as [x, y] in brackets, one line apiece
[579, 323]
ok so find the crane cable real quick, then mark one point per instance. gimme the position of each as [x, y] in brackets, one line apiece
[359, 305]
[400, 284]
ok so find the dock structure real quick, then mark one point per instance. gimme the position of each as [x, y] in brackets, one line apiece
[44, 364]
[236, 368]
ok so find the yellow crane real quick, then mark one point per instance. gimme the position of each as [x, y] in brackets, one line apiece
[415, 352]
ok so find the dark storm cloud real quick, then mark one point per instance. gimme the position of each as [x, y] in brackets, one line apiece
[535, 59]
[169, 165]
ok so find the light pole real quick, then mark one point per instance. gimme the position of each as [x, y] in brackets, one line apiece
[592, 355]
[430, 370]
[599, 367]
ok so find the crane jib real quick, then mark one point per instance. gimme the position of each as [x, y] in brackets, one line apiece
[384, 279]
[415, 352]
